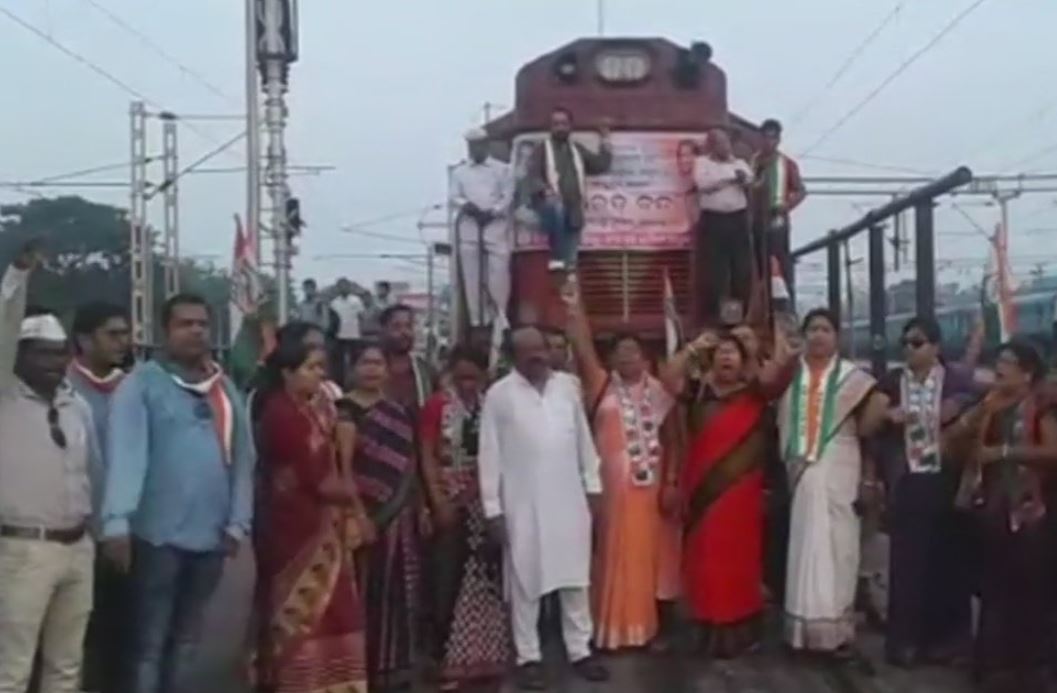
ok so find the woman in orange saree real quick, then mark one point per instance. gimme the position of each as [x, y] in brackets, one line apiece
[312, 636]
[627, 406]
[722, 489]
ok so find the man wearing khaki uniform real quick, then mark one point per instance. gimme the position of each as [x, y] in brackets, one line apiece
[48, 454]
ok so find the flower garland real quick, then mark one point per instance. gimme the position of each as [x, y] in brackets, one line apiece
[641, 431]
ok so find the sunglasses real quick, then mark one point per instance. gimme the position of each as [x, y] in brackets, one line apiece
[914, 343]
[58, 436]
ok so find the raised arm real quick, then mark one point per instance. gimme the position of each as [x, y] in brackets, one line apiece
[597, 163]
[673, 372]
[975, 345]
[579, 330]
[13, 290]
[777, 373]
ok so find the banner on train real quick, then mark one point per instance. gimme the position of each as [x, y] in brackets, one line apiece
[643, 202]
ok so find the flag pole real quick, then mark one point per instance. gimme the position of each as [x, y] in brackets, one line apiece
[253, 135]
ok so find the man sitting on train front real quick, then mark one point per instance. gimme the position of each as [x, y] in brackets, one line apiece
[779, 190]
[559, 168]
[481, 191]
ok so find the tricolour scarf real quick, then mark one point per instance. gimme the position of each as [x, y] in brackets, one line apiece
[213, 392]
[106, 384]
[809, 434]
[776, 177]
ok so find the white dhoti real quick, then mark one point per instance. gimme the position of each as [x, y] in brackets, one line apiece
[484, 260]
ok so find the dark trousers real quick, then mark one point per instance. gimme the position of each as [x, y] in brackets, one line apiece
[929, 582]
[106, 642]
[564, 239]
[772, 241]
[724, 262]
[170, 590]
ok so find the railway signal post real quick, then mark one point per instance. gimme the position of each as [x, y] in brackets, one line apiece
[276, 29]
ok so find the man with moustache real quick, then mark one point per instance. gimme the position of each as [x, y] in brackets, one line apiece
[559, 168]
[540, 485]
[178, 497]
[48, 463]
[411, 378]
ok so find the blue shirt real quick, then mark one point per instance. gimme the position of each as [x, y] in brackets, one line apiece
[98, 401]
[167, 479]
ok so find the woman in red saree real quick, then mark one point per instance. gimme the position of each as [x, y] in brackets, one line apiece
[312, 638]
[722, 488]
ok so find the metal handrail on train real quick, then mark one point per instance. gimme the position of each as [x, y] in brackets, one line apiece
[922, 201]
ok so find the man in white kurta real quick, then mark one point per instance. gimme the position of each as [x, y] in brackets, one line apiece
[539, 474]
[481, 193]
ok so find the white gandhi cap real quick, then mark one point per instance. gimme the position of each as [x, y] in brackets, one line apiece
[476, 135]
[43, 327]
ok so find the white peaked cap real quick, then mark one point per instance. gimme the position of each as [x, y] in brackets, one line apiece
[476, 135]
[44, 327]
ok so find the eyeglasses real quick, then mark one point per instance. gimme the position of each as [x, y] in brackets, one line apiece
[58, 436]
[914, 343]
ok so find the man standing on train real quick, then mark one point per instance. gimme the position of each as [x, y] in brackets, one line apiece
[481, 192]
[779, 190]
[559, 168]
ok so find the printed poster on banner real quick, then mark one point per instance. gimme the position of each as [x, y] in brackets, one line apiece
[645, 201]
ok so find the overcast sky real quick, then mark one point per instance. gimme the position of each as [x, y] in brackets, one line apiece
[384, 91]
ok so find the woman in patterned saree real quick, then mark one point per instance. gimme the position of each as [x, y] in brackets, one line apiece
[1010, 442]
[475, 641]
[385, 473]
[830, 406]
[627, 408]
[722, 488]
[312, 620]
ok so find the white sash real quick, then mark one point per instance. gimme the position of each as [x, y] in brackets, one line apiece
[552, 166]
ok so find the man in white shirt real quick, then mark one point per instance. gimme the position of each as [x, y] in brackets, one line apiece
[348, 306]
[539, 475]
[481, 191]
[723, 269]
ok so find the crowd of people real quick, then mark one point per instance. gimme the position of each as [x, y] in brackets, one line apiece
[408, 522]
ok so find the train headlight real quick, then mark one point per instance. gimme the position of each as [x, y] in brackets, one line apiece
[567, 69]
[622, 65]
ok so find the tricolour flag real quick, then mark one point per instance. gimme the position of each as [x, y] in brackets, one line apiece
[1002, 284]
[248, 342]
[673, 333]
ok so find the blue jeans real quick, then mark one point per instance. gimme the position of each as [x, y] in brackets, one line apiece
[170, 590]
[564, 240]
